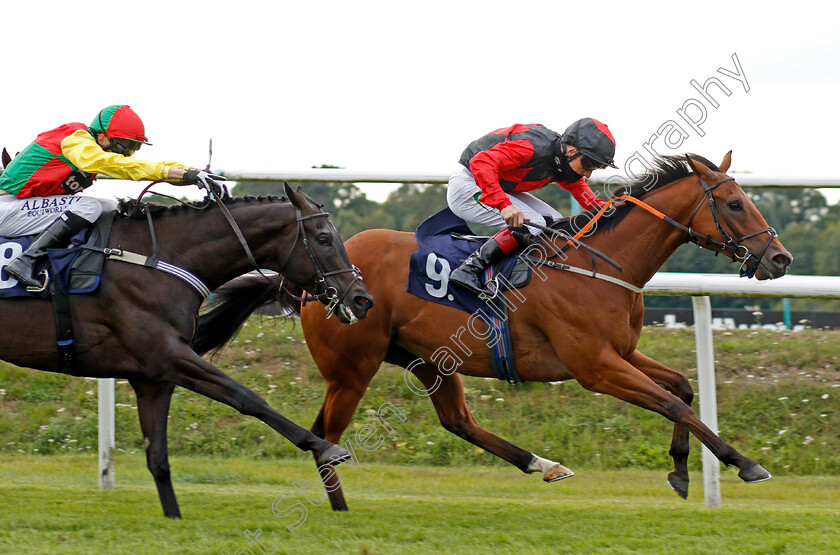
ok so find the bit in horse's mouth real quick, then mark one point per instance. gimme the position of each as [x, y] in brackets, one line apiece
[348, 315]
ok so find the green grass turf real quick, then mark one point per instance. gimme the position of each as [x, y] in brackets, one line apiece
[53, 505]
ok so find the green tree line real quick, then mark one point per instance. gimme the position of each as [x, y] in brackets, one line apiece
[808, 226]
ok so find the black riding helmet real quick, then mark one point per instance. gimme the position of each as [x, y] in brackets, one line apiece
[593, 139]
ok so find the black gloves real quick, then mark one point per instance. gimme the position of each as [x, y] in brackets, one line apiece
[205, 180]
[200, 177]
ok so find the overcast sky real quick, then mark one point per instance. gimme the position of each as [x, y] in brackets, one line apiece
[401, 86]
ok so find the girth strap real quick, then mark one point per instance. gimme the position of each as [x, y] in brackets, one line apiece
[502, 360]
[63, 330]
[151, 262]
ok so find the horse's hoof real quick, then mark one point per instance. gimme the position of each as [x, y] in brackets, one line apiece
[556, 473]
[551, 471]
[754, 474]
[678, 484]
[334, 455]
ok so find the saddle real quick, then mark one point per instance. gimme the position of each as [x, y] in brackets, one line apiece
[75, 269]
[443, 241]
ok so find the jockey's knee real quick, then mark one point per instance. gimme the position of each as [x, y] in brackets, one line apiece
[107, 204]
[88, 208]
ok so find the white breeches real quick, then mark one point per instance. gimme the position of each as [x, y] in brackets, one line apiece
[29, 216]
[462, 196]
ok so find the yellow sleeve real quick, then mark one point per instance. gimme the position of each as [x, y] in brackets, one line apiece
[84, 152]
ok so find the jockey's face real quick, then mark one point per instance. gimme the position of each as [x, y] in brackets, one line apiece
[576, 163]
[126, 147]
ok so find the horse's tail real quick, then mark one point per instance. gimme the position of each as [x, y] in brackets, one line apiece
[224, 312]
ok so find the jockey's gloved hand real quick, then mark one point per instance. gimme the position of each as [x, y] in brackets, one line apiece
[205, 180]
[201, 177]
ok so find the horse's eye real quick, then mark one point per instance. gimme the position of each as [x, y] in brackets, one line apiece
[735, 205]
[325, 239]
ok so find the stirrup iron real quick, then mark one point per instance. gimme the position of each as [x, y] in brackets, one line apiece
[44, 286]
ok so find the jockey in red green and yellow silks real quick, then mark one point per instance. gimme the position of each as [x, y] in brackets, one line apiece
[38, 188]
[42, 167]
[119, 122]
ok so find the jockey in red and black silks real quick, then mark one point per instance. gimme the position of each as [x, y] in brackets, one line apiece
[41, 183]
[495, 173]
[522, 158]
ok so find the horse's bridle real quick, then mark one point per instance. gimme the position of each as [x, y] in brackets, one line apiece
[328, 295]
[325, 293]
[750, 261]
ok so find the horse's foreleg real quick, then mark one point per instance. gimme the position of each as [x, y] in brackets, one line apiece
[617, 377]
[677, 384]
[196, 374]
[331, 481]
[455, 416]
[340, 402]
[348, 365]
[153, 409]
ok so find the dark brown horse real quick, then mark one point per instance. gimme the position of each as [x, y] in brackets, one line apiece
[140, 324]
[565, 326]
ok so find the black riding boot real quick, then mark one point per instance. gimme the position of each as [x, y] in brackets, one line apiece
[59, 232]
[467, 274]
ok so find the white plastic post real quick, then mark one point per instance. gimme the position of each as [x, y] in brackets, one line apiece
[107, 436]
[708, 397]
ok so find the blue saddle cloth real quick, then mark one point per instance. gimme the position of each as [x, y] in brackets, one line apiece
[61, 261]
[438, 253]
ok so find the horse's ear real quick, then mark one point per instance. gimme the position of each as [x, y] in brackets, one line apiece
[304, 198]
[293, 196]
[727, 160]
[6, 158]
[698, 167]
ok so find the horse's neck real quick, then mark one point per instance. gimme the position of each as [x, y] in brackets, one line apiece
[205, 243]
[642, 242]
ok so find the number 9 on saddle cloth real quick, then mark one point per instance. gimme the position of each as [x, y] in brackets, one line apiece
[440, 249]
[74, 269]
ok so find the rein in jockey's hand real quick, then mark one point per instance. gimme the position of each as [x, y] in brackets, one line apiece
[205, 180]
[513, 216]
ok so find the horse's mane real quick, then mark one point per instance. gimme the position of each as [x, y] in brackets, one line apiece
[135, 210]
[665, 170]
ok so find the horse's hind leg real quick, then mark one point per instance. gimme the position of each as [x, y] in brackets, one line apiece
[677, 384]
[153, 409]
[196, 374]
[455, 416]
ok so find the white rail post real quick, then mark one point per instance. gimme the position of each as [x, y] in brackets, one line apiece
[708, 396]
[107, 436]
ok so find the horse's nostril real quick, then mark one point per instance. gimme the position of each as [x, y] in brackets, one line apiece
[782, 260]
[364, 302]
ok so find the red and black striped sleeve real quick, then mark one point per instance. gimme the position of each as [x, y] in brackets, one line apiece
[487, 165]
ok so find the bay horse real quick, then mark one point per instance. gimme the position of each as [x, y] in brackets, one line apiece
[569, 326]
[140, 323]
